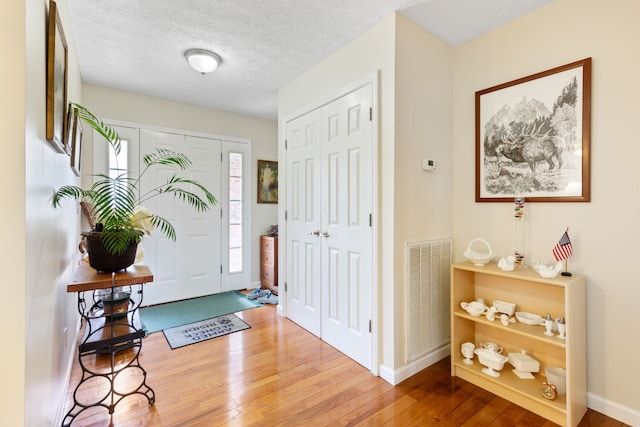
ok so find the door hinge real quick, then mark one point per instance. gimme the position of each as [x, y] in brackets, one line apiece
[221, 158]
[285, 215]
[220, 213]
[285, 144]
[370, 326]
[220, 268]
[285, 286]
[370, 220]
[370, 114]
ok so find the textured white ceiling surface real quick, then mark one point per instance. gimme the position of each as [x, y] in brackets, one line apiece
[138, 46]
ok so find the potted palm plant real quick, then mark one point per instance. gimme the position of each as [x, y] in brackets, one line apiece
[118, 206]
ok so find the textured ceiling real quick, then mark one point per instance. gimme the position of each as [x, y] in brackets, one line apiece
[137, 46]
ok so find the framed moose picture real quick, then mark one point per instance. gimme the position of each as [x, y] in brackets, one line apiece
[533, 137]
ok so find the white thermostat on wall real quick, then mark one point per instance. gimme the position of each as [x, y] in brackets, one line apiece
[429, 164]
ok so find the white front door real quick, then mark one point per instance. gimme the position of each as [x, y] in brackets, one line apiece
[329, 234]
[190, 266]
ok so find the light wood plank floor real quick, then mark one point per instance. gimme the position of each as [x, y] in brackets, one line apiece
[277, 374]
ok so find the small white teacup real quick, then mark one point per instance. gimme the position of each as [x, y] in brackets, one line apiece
[467, 349]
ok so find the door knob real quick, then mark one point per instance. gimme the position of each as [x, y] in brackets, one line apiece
[314, 233]
[324, 234]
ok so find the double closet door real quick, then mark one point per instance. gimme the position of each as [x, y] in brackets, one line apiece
[329, 160]
[211, 250]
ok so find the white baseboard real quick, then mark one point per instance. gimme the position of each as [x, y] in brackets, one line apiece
[412, 368]
[62, 400]
[614, 410]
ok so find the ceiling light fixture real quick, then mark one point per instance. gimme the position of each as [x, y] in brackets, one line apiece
[201, 60]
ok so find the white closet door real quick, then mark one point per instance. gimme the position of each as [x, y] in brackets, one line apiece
[303, 224]
[347, 203]
[190, 266]
[329, 236]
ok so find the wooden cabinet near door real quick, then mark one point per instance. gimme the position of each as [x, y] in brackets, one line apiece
[269, 263]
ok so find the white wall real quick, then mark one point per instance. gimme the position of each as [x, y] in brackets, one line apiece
[123, 106]
[604, 232]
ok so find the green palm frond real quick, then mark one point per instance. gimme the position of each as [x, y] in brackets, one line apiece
[165, 227]
[68, 192]
[162, 156]
[117, 241]
[98, 125]
[115, 199]
[178, 186]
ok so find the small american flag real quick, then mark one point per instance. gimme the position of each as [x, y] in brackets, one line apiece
[563, 248]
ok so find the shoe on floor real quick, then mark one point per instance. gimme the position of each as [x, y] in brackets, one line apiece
[268, 299]
[258, 292]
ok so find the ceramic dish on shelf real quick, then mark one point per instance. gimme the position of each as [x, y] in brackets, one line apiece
[507, 308]
[529, 318]
[524, 364]
[493, 361]
[474, 308]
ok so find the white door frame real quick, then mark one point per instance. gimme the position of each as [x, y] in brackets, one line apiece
[372, 79]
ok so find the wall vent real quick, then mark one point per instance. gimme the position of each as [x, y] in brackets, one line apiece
[427, 297]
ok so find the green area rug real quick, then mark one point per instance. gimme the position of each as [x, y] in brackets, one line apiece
[165, 316]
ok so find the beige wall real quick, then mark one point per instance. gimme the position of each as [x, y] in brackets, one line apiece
[423, 128]
[372, 52]
[605, 239]
[123, 106]
[412, 204]
[12, 223]
[39, 258]
[604, 232]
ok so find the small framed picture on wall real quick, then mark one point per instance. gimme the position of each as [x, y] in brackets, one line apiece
[267, 181]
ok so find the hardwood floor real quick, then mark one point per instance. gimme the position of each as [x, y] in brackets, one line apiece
[277, 374]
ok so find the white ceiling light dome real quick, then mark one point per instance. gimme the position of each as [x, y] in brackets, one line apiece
[202, 60]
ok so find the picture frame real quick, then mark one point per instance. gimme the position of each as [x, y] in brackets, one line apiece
[56, 80]
[76, 144]
[68, 133]
[267, 181]
[533, 137]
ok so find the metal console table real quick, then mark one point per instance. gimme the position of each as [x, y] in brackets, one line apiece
[110, 328]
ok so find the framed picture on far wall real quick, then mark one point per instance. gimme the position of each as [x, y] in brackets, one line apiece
[267, 181]
[533, 137]
[56, 80]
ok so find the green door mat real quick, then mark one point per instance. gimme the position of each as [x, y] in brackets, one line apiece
[170, 315]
